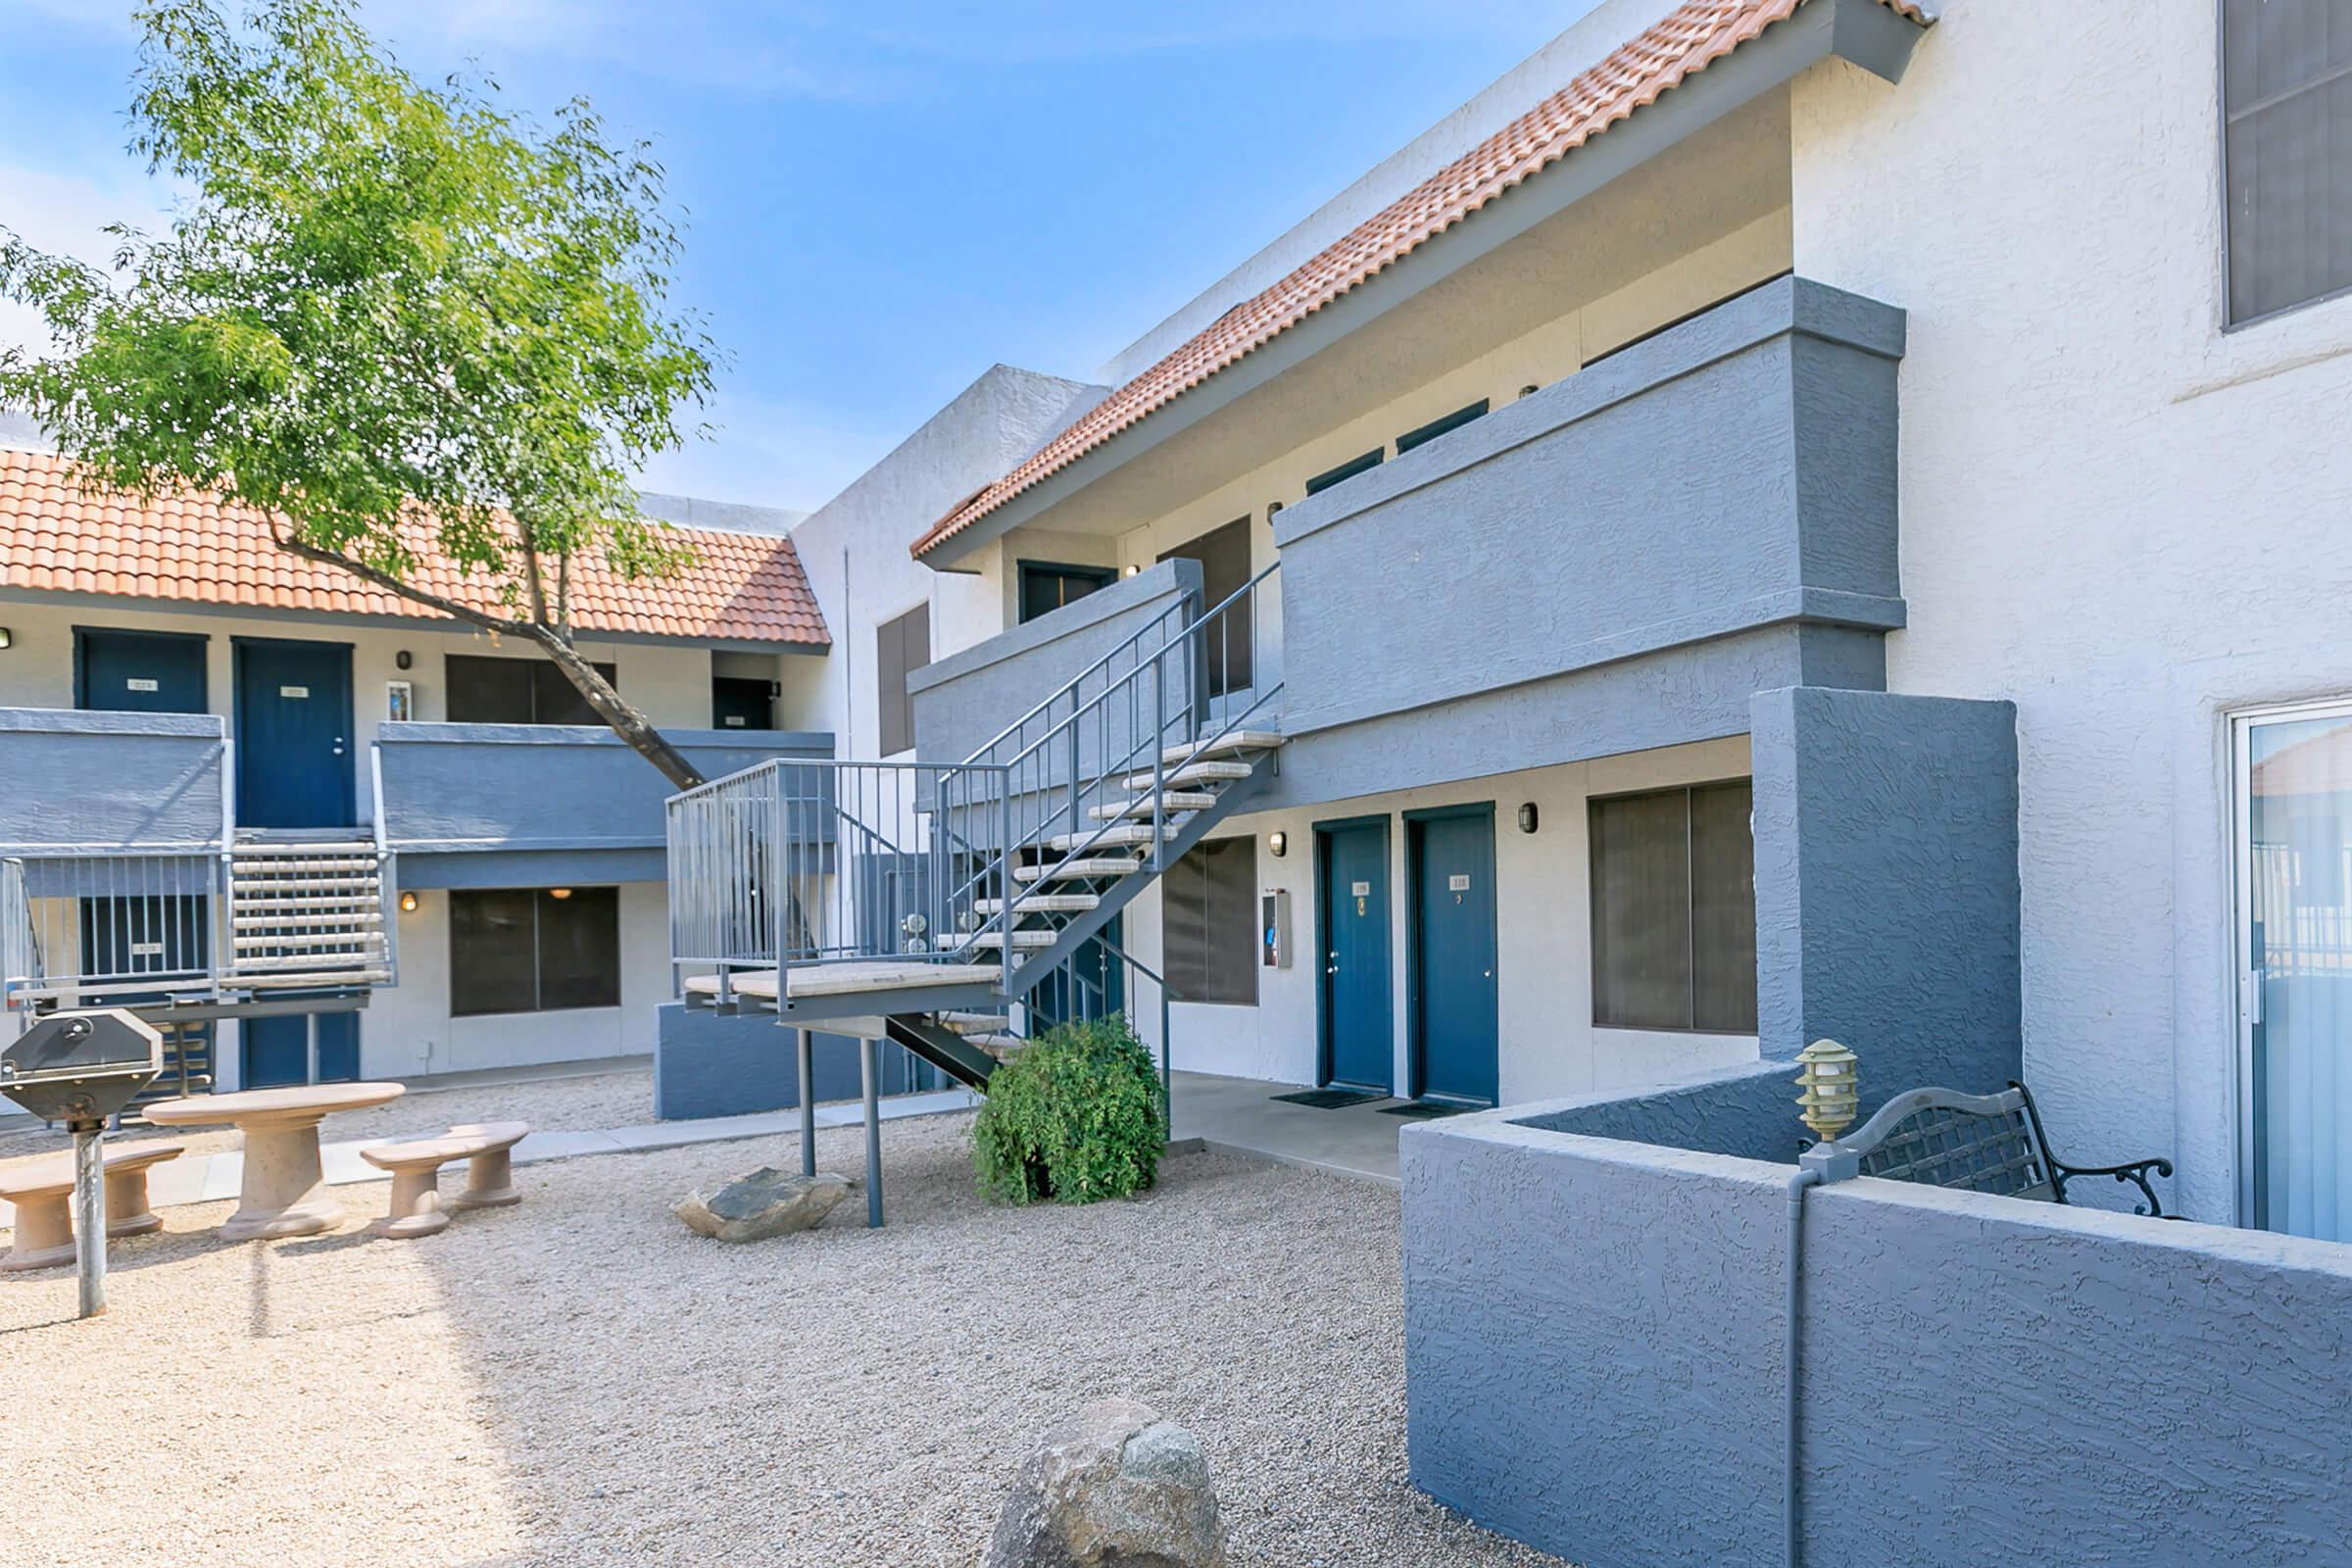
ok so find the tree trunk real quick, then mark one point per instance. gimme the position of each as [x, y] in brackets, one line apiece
[614, 709]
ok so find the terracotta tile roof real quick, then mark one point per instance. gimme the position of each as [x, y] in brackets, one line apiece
[1686, 40]
[58, 536]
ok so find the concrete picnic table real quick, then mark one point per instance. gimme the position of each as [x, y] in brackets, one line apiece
[284, 1192]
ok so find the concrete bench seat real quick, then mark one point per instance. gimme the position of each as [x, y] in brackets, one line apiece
[42, 1191]
[415, 1165]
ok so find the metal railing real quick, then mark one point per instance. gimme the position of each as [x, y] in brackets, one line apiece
[789, 864]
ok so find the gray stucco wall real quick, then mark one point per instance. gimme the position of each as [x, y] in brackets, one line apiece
[964, 701]
[1887, 884]
[719, 1064]
[1735, 472]
[109, 779]
[1594, 1364]
[457, 789]
[1745, 1110]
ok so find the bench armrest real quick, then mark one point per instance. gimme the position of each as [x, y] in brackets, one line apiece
[2136, 1173]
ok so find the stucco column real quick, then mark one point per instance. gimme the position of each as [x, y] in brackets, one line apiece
[1887, 884]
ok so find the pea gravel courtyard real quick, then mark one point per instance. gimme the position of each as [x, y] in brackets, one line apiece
[579, 1380]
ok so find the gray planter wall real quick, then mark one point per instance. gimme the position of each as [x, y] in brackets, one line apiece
[1594, 1366]
[721, 1064]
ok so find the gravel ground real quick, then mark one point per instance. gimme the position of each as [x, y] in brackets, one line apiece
[580, 1381]
[594, 1100]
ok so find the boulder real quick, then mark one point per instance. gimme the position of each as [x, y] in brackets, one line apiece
[766, 1202]
[1114, 1486]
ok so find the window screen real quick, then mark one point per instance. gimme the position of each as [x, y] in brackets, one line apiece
[1224, 557]
[1435, 428]
[525, 950]
[1674, 911]
[1344, 473]
[2287, 152]
[1208, 922]
[516, 691]
[1046, 588]
[901, 648]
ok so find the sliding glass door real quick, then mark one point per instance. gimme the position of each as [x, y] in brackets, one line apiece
[2294, 881]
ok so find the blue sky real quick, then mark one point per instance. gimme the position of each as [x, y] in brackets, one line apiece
[883, 197]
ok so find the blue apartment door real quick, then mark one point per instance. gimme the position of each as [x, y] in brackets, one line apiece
[1451, 857]
[1357, 1033]
[294, 751]
[138, 671]
[278, 1048]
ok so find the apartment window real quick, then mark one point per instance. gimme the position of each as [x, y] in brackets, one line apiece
[1224, 557]
[901, 648]
[1674, 909]
[1046, 586]
[516, 691]
[1344, 472]
[2287, 152]
[1208, 922]
[1435, 428]
[533, 950]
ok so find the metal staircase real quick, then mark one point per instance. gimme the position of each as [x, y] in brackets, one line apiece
[936, 896]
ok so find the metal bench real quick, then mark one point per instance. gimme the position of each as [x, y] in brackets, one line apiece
[1982, 1144]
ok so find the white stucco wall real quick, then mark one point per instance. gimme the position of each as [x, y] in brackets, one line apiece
[1548, 1046]
[2114, 514]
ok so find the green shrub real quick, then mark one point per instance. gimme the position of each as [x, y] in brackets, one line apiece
[1074, 1118]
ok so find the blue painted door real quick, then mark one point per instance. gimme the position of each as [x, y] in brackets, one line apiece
[1357, 1027]
[1454, 1027]
[138, 671]
[278, 1048]
[294, 748]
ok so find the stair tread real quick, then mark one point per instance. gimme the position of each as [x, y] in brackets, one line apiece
[1241, 739]
[1193, 774]
[1024, 937]
[1172, 801]
[1117, 837]
[1089, 868]
[1043, 903]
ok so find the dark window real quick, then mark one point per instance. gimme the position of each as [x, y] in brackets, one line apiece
[516, 691]
[1344, 472]
[1046, 587]
[901, 648]
[2287, 152]
[1208, 921]
[739, 701]
[1438, 427]
[533, 950]
[1224, 557]
[1674, 909]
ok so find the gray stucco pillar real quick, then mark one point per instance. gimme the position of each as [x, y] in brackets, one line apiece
[1887, 885]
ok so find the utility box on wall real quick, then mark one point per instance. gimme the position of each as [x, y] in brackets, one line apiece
[1274, 928]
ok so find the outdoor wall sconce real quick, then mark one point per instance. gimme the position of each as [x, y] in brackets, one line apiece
[408, 903]
[1133, 569]
[404, 659]
[1527, 818]
[1278, 840]
[1830, 1088]
[8, 639]
[559, 893]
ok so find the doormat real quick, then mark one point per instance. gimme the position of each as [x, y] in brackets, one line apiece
[1328, 1098]
[1425, 1110]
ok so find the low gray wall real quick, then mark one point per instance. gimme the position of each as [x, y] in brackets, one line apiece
[466, 789]
[1887, 884]
[109, 780]
[963, 700]
[733, 1064]
[1745, 1110]
[1595, 1365]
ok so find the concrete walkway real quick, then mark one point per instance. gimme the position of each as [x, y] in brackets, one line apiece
[1242, 1116]
[214, 1178]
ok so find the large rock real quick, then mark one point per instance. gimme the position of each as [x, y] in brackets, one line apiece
[1115, 1487]
[766, 1202]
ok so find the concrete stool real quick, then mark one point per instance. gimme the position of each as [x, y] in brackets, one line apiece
[42, 1190]
[416, 1166]
[490, 1163]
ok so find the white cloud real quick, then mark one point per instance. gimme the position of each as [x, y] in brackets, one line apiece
[66, 214]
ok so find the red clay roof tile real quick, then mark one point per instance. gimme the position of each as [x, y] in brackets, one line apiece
[55, 535]
[1684, 42]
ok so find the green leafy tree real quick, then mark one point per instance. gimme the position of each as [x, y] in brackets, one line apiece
[401, 323]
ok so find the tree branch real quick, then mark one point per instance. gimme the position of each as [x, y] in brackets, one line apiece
[410, 591]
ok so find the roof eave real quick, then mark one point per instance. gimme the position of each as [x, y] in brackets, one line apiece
[1867, 33]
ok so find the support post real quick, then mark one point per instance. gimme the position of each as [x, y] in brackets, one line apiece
[89, 1216]
[869, 1060]
[807, 1056]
